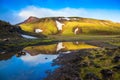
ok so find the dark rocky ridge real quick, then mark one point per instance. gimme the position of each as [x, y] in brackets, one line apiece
[74, 66]
[9, 31]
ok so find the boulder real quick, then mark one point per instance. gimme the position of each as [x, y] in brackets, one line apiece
[91, 76]
[116, 59]
[117, 67]
[107, 74]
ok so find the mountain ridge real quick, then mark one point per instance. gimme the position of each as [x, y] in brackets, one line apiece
[33, 19]
[9, 31]
[69, 26]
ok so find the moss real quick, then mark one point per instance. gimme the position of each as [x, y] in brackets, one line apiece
[86, 25]
[48, 26]
[114, 42]
[71, 62]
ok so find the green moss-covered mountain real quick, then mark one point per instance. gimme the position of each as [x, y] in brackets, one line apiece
[9, 31]
[69, 26]
[14, 31]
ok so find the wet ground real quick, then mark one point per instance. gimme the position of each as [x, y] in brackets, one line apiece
[60, 61]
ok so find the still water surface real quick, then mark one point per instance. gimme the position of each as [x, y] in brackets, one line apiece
[37, 60]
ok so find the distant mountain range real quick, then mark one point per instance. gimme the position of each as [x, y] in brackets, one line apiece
[69, 26]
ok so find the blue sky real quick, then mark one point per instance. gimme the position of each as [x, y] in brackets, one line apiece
[15, 11]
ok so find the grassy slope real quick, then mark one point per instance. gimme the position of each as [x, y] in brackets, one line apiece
[47, 25]
[88, 26]
[106, 63]
[91, 28]
[93, 61]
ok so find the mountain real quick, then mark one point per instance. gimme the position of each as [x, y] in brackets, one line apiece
[31, 19]
[69, 26]
[9, 31]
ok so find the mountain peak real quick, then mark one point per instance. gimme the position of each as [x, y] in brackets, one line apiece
[31, 19]
[70, 26]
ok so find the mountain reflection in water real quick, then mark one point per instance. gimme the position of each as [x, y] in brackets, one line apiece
[59, 47]
[36, 61]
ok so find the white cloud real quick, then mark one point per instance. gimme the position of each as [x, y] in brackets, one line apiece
[38, 59]
[67, 12]
[44, 12]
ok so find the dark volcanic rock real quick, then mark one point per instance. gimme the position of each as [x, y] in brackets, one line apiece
[116, 59]
[117, 68]
[20, 53]
[9, 31]
[67, 71]
[91, 76]
[83, 65]
[107, 74]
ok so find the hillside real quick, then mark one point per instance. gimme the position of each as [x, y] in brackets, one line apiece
[69, 26]
[9, 31]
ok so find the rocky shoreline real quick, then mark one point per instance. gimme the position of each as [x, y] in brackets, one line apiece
[90, 64]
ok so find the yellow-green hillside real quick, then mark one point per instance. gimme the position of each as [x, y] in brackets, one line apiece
[71, 26]
[54, 48]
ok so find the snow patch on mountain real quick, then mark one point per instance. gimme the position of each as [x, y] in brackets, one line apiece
[75, 18]
[75, 32]
[59, 18]
[59, 25]
[66, 18]
[77, 42]
[38, 30]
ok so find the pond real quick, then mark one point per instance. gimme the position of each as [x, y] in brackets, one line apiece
[65, 47]
[36, 61]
